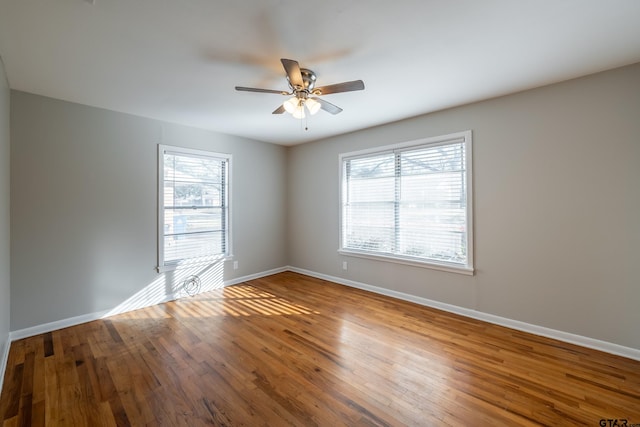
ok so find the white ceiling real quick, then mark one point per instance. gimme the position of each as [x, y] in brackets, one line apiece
[179, 60]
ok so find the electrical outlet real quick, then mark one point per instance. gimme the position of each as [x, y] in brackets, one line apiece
[235, 265]
[344, 265]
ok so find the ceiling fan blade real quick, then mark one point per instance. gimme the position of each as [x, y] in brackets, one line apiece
[279, 110]
[328, 107]
[293, 72]
[254, 89]
[339, 87]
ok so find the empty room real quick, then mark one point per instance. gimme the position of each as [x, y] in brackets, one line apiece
[295, 213]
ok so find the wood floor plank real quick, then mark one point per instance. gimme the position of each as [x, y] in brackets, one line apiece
[293, 350]
[10, 403]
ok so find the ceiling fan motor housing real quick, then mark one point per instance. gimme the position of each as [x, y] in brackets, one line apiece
[308, 80]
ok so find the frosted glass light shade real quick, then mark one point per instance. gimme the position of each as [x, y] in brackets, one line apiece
[298, 113]
[290, 105]
[312, 105]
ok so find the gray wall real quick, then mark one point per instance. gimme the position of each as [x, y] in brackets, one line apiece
[5, 224]
[84, 200]
[556, 203]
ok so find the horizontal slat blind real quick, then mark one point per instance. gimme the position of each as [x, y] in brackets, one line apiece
[195, 207]
[409, 202]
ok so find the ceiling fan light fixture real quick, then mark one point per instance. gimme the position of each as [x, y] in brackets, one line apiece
[295, 107]
[298, 113]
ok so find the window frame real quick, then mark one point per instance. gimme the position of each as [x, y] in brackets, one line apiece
[163, 265]
[458, 137]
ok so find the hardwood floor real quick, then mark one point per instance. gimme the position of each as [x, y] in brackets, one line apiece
[293, 350]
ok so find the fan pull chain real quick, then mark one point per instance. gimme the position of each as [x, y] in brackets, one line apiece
[306, 122]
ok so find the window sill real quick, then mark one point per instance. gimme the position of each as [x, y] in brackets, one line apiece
[449, 267]
[183, 265]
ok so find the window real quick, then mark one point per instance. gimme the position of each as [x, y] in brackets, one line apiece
[410, 203]
[193, 206]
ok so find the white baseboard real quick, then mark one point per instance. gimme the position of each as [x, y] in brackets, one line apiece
[4, 360]
[73, 321]
[256, 276]
[580, 340]
[54, 326]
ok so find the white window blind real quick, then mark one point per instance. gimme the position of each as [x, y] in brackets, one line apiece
[193, 208]
[410, 202]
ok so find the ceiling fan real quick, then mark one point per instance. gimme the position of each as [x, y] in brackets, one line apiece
[302, 83]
